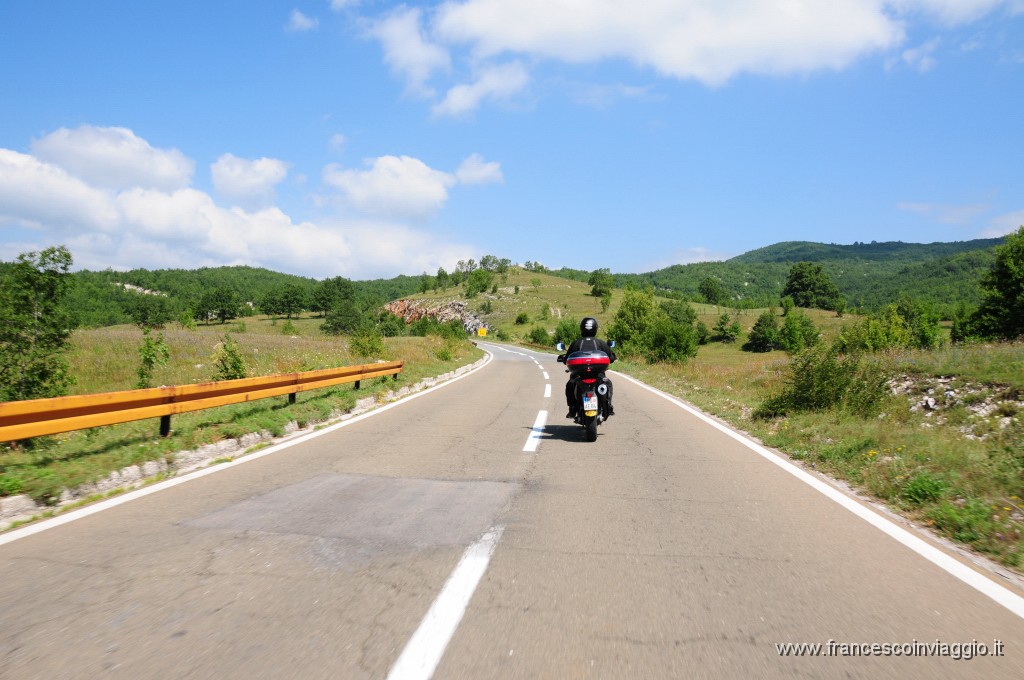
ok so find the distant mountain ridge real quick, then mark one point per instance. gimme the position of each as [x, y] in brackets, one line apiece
[809, 251]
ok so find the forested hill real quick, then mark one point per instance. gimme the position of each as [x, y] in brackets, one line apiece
[888, 251]
[869, 275]
[100, 298]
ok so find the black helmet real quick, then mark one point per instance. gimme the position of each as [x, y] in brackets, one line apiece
[588, 327]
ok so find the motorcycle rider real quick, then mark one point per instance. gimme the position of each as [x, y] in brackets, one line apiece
[589, 342]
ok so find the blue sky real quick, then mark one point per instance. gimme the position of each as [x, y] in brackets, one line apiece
[367, 138]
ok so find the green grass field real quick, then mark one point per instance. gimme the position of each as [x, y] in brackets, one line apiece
[106, 359]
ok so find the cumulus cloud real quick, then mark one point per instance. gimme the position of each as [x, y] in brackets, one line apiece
[393, 186]
[113, 158]
[408, 51]
[40, 195]
[248, 183]
[947, 213]
[1004, 224]
[338, 5]
[337, 142]
[142, 222]
[475, 170]
[711, 41]
[300, 23]
[496, 82]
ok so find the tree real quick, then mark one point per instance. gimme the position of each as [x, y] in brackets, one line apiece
[632, 318]
[712, 291]
[153, 352]
[1001, 314]
[293, 300]
[149, 311]
[329, 292]
[478, 281]
[727, 330]
[228, 361]
[442, 278]
[798, 333]
[221, 302]
[35, 325]
[810, 286]
[764, 336]
[602, 282]
[344, 317]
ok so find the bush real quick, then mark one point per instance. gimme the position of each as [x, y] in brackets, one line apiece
[367, 342]
[390, 325]
[228, 360]
[764, 336]
[798, 333]
[668, 340]
[539, 336]
[820, 378]
[567, 330]
[631, 320]
[726, 331]
[522, 319]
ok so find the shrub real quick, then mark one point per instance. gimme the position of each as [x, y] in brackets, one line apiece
[567, 330]
[798, 333]
[764, 336]
[367, 342]
[228, 361]
[522, 319]
[288, 328]
[726, 331]
[152, 353]
[539, 336]
[632, 319]
[390, 325]
[668, 340]
[820, 378]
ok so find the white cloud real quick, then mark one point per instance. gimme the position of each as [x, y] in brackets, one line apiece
[248, 183]
[496, 82]
[337, 142]
[393, 186]
[475, 170]
[710, 41]
[685, 256]
[338, 5]
[921, 57]
[408, 51]
[142, 225]
[952, 12]
[300, 23]
[44, 196]
[946, 213]
[1004, 224]
[114, 158]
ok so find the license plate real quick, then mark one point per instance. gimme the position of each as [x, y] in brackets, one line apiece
[590, 402]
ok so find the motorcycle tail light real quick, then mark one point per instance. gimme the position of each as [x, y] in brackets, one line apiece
[590, 381]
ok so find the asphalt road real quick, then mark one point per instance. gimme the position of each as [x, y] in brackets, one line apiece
[666, 549]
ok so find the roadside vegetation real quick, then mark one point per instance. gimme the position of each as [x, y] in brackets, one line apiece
[914, 401]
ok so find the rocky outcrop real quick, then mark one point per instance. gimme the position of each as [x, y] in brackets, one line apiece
[456, 310]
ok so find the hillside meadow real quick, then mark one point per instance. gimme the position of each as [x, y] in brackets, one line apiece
[107, 359]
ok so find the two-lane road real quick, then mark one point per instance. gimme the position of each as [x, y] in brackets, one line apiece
[665, 549]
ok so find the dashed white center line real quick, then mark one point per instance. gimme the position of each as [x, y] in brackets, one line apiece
[533, 441]
[546, 376]
[547, 391]
[425, 649]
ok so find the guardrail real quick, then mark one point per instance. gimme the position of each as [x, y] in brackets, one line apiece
[37, 417]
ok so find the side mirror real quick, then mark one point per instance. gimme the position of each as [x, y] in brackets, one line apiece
[560, 347]
[612, 344]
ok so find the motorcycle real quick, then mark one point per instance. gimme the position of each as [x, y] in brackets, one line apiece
[587, 374]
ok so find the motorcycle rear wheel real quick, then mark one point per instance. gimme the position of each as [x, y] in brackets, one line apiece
[591, 426]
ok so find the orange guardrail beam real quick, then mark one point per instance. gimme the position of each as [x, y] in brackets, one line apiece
[37, 417]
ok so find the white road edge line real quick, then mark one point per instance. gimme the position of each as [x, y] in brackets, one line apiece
[533, 441]
[981, 583]
[69, 517]
[426, 647]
